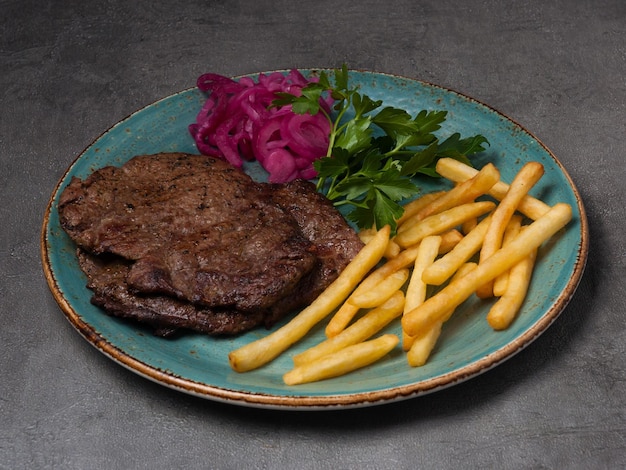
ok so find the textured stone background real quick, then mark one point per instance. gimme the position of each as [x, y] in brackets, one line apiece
[71, 69]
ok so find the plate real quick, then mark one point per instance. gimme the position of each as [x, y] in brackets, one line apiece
[198, 365]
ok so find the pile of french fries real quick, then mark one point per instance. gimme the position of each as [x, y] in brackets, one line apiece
[451, 240]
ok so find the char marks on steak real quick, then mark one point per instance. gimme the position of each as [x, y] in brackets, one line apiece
[193, 238]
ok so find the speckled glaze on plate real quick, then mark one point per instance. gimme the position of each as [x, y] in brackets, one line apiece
[198, 364]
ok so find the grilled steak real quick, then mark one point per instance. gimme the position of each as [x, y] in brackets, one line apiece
[335, 242]
[195, 227]
[107, 279]
[193, 238]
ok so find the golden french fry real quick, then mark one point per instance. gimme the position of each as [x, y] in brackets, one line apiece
[504, 310]
[342, 317]
[443, 268]
[416, 290]
[458, 172]
[262, 351]
[462, 193]
[525, 179]
[511, 231]
[341, 362]
[393, 249]
[449, 240]
[416, 205]
[365, 327]
[370, 284]
[367, 234]
[422, 318]
[421, 346]
[383, 291]
[404, 259]
[443, 221]
[469, 225]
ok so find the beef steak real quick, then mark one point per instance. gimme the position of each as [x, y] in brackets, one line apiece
[165, 314]
[186, 241]
[195, 227]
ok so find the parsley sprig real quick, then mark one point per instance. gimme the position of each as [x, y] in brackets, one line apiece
[374, 152]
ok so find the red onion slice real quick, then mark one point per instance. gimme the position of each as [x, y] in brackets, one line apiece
[237, 122]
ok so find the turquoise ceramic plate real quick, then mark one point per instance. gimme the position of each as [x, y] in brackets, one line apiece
[198, 364]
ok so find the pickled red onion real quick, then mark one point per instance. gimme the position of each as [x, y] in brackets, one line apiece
[237, 122]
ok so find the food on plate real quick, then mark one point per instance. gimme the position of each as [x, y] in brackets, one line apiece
[343, 361]
[510, 232]
[458, 172]
[377, 298]
[443, 268]
[238, 122]
[421, 346]
[257, 353]
[181, 241]
[166, 315]
[363, 154]
[194, 233]
[382, 292]
[434, 309]
[363, 328]
[416, 290]
[376, 287]
[524, 180]
[443, 221]
[462, 193]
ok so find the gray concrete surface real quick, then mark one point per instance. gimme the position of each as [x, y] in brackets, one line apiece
[69, 70]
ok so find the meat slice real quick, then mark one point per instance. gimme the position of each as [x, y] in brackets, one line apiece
[195, 227]
[335, 242]
[180, 241]
[166, 315]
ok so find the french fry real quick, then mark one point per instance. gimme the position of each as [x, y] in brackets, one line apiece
[462, 271]
[367, 234]
[511, 231]
[413, 207]
[443, 268]
[416, 290]
[434, 309]
[383, 291]
[458, 172]
[525, 179]
[443, 221]
[348, 310]
[365, 327]
[264, 350]
[506, 307]
[370, 288]
[341, 319]
[341, 362]
[462, 193]
[404, 259]
[392, 247]
[422, 346]
[449, 240]
[469, 225]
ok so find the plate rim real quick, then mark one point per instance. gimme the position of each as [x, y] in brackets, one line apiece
[333, 401]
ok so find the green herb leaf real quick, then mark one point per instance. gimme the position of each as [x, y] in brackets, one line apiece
[367, 171]
[357, 135]
[395, 122]
[454, 146]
